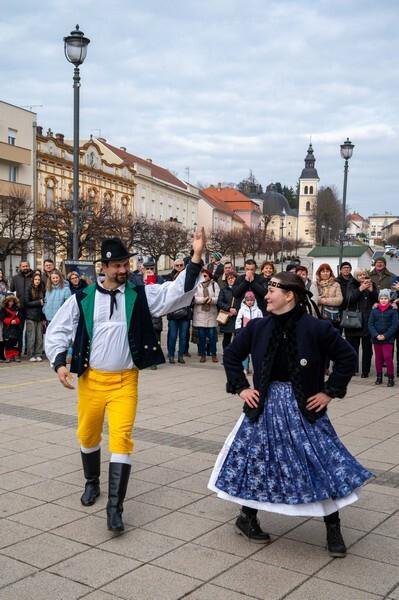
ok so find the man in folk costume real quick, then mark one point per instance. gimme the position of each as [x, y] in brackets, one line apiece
[113, 337]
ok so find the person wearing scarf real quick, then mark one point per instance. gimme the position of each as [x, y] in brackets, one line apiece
[205, 315]
[383, 326]
[283, 455]
[110, 327]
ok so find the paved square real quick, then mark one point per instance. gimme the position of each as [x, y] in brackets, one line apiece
[180, 540]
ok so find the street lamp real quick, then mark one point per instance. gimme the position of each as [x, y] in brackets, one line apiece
[323, 229]
[329, 235]
[75, 48]
[346, 153]
[282, 227]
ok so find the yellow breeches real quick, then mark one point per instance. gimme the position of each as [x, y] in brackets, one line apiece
[116, 393]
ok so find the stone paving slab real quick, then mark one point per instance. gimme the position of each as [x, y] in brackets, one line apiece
[180, 540]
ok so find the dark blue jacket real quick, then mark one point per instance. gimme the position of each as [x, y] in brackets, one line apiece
[385, 323]
[317, 341]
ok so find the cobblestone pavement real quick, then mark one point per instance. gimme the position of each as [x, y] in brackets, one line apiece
[179, 540]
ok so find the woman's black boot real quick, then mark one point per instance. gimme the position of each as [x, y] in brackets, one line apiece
[335, 542]
[378, 381]
[91, 468]
[391, 382]
[247, 524]
[117, 485]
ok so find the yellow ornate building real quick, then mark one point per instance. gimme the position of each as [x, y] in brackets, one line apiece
[100, 181]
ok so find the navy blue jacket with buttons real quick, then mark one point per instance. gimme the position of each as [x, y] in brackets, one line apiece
[385, 323]
[317, 341]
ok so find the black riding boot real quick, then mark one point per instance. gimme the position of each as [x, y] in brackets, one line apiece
[378, 381]
[91, 468]
[335, 542]
[247, 524]
[117, 485]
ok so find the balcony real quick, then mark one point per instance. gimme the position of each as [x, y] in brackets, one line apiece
[9, 188]
[15, 154]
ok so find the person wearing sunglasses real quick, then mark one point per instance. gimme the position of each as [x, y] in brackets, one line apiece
[283, 455]
[178, 322]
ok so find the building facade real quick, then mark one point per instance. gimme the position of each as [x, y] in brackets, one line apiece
[236, 202]
[100, 180]
[377, 225]
[17, 159]
[214, 215]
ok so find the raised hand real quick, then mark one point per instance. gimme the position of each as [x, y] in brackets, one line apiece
[199, 241]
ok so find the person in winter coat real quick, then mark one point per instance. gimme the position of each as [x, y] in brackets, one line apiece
[56, 294]
[395, 302]
[34, 319]
[178, 321]
[151, 278]
[283, 455]
[380, 275]
[347, 283]
[329, 292]
[76, 282]
[228, 303]
[3, 293]
[383, 325]
[215, 267]
[227, 268]
[21, 283]
[313, 300]
[251, 282]
[11, 316]
[205, 314]
[249, 310]
[361, 296]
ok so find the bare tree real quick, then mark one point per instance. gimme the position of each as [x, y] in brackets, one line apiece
[16, 224]
[177, 240]
[328, 213]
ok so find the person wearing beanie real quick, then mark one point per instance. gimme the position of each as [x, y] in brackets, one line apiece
[383, 326]
[249, 310]
[215, 266]
[380, 275]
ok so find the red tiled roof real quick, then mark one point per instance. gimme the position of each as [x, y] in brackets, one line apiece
[355, 217]
[234, 199]
[156, 171]
[218, 204]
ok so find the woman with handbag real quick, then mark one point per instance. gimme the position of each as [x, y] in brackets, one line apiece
[227, 309]
[330, 295]
[361, 296]
[383, 326]
[284, 456]
[205, 315]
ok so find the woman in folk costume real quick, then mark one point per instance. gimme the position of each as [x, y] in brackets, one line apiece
[283, 454]
[112, 333]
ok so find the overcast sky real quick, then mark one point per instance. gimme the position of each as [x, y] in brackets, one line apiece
[222, 86]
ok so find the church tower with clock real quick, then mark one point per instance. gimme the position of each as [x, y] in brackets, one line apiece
[308, 183]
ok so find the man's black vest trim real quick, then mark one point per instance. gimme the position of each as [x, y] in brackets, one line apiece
[143, 343]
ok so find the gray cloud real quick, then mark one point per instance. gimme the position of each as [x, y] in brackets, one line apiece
[222, 86]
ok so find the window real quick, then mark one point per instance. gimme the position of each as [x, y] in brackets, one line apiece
[12, 173]
[307, 206]
[311, 189]
[50, 193]
[12, 135]
[306, 231]
[306, 190]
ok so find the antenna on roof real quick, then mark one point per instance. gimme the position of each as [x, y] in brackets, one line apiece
[30, 106]
[99, 132]
[187, 170]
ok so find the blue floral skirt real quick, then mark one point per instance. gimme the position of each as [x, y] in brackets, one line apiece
[282, 463]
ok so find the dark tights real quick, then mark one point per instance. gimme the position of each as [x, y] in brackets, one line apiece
[329, 519]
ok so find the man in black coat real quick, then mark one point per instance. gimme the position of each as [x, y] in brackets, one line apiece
[347, 282]
[22, 282]
[250, 282]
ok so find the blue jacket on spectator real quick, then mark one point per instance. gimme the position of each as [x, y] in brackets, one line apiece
[385, 323]
[54, 300]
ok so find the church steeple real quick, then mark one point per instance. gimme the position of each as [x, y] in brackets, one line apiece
[309, 172]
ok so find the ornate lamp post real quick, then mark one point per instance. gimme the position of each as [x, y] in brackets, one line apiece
[282, 227]
[346, 153]
[75, 48]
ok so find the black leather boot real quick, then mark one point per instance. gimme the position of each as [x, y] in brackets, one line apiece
[335, 542]
[391, 382]
[91, 468]
[117, 485]
[378, 381]
[247, 524]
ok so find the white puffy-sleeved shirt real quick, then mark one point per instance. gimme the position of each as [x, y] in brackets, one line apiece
[109, 346]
